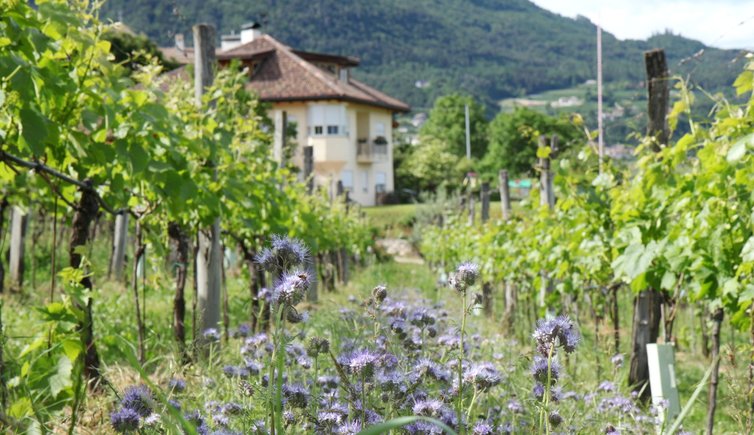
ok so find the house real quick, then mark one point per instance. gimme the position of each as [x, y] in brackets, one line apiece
[348, 123]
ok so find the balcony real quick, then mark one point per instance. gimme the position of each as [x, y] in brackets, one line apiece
[370, 152]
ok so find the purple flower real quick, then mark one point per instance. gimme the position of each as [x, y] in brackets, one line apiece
[195, 418]
[515, 407]
[539, 370]
[177, 385]
[483, 375]
[617, 360]
[538, 391]
[211, 334]
[361, 363]
[436, 409]
[607, 386]
[482, 428]
[553, 332]
[284, 253]
[351, 428]
[292, 288]
[253, 367]
[236, 372]
[425, 367]
[125, 420]
[243, 330]
[296, 395]
[138, 399]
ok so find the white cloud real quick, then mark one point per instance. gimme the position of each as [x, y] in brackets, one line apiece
[720, 23]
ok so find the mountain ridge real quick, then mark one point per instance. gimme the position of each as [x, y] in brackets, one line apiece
[491, 49]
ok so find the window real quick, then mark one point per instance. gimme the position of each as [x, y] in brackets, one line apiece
[379, 129]
[346, 177]
[365, 181]
[329, 119]
[380, 182]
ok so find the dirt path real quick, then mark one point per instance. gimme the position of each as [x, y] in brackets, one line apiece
[401, 250]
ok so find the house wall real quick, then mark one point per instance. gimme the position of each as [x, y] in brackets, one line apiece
[336, 155]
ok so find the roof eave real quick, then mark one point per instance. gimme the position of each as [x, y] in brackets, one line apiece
[383, 105]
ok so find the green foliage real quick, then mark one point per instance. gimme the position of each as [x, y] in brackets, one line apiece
[447, 124]
[433, 164]
[513, 140]
[134, 51]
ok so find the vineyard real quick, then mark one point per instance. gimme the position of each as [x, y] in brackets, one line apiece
[169, 272]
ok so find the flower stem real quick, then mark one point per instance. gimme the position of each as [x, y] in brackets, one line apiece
[459, 405]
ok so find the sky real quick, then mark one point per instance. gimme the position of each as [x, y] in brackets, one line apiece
[717, 23]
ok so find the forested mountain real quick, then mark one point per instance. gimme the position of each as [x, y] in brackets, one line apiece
[491, 49]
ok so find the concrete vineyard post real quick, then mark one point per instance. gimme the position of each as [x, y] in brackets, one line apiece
[209, 255]
[485, 195]
[118, 261]
[648, 304]
[18, 223]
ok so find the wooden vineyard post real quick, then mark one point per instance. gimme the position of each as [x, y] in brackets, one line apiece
[546, 198]
[139, 264]
[86, 211]
[343, 253]
[180, 242]
[18, 222]
[309, 168]
[505, 195]
[648, 304]
[118, 261]
[311, 296]
[471, 205]
[279, 142]
[3, 206]
[485, 196]
[510, 289]
[209, 255]
[717, 320]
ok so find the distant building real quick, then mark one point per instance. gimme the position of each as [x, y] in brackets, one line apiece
[348, 124]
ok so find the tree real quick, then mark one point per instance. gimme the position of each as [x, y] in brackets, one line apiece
[432, 164]
[447, 123]
[134, 51]
[513, 139]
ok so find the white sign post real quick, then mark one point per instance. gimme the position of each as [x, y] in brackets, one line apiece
[662, 381]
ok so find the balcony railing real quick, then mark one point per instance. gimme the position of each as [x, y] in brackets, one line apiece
[367, 152]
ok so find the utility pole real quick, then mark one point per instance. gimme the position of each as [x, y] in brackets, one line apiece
[601, 142]
[468, 133]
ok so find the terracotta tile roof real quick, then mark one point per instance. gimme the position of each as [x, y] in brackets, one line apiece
[284, 74]
[181, 56]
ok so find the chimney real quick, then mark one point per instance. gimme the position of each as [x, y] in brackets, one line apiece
[179, 43]
[230, 41]
[343, 74]
[250, 31]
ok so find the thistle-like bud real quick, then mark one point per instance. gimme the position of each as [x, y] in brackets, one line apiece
[379, 293]
[464, 277]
